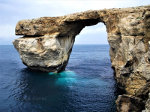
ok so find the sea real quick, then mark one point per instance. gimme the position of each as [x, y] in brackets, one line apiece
[87, 85]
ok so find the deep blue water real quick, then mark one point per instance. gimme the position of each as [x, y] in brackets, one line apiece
[87, 85]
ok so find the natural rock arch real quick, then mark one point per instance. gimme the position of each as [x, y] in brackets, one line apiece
[47, 44]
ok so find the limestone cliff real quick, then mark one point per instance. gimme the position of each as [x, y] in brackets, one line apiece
[47, 43]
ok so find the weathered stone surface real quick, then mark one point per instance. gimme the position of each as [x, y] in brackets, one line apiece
[147, 106]
[47, 43]
[128, 103]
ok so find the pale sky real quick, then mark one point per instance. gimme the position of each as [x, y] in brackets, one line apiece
[11, 11]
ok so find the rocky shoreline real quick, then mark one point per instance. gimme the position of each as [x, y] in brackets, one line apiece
[47, 43]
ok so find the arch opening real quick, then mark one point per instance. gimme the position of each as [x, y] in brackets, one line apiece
[90, 60]
[95, 34]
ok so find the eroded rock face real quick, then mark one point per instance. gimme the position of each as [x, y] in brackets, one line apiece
[129, 103]
[47, 43]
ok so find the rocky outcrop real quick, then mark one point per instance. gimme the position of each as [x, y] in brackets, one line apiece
[47, 43]
[129, 103]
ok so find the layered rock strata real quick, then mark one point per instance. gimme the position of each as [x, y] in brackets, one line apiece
[47, 43]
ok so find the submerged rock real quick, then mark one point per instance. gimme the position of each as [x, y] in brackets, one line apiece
[47, 43]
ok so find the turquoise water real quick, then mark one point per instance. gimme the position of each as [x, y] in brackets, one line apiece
[87, 85]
